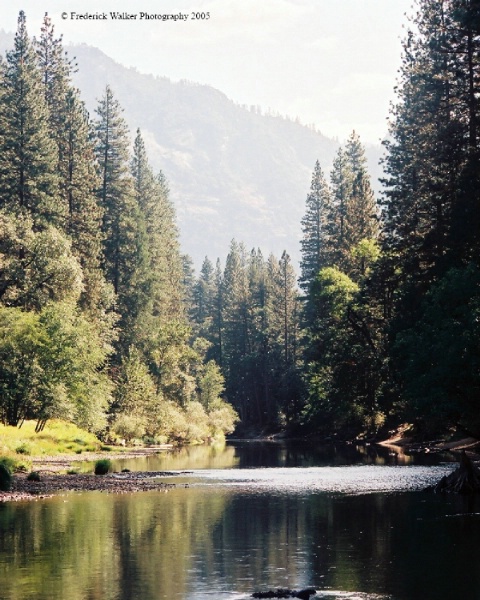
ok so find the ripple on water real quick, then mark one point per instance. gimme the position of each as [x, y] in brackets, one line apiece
[346, 479]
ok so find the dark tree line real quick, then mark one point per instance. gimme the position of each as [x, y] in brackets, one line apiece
[249, 312]
[392, 308]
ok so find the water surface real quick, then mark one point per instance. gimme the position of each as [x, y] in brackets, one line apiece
[353, 523]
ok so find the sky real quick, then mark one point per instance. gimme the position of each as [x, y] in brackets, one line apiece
[331, 63]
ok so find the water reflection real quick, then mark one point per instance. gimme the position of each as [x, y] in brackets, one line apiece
[272, 454]
[225, 541]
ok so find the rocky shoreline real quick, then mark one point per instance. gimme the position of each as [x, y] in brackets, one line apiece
[53, 477]
[113, 483]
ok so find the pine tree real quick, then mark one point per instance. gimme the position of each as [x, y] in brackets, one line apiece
[315, 244]
[84, 218]
[71, 131]
[165, 263]
[354, 214]
[55, 70]
[204, 299]
[125, 248]
[28, 165]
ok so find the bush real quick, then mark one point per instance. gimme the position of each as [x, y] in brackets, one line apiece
[33, 476]
[5, 478]
[103, 466]
[23, 449]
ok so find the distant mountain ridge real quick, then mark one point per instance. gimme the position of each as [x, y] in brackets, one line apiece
[232, 172]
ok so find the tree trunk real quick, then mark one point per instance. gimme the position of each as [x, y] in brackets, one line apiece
[464, 480]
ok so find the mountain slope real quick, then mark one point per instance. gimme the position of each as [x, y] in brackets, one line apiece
[233, 173]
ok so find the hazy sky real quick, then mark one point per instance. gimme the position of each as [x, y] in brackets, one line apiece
[329, 62]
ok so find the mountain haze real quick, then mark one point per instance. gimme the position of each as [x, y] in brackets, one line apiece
[233, 172]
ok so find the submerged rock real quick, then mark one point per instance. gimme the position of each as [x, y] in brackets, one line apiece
[286, 593]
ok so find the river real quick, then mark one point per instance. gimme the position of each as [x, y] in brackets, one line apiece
[352, 522]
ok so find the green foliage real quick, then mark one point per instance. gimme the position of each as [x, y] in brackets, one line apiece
[50, 367]
[5, 477]
[102, 466]
[28, 165]
[37, 266]
[249, 314]
[439, 357]
[34, 476]
[334, 292]
[211, 385]
[135, 398]
[92, 286]
[10, 463]
[315, 243]
[23, 449]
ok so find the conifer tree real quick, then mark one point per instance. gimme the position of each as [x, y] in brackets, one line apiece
[316, 243]
[125, 249]
[84, 217]
[71, 131]
[354, 214]
[204, 299]
[28, 165]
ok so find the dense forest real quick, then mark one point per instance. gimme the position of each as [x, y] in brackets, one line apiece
[104, 322]
[93, 326]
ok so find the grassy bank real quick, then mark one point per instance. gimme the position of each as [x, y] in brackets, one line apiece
[58, 437]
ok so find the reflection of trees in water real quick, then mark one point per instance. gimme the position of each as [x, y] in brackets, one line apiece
[217, 456]
[97, 546]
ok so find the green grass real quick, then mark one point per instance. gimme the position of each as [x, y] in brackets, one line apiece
[58, 437]
[103, 466]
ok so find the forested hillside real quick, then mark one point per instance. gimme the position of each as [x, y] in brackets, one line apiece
[233, 171]
[104, 321]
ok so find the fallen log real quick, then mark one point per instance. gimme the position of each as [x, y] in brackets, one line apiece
[286, 593]
[464, 480]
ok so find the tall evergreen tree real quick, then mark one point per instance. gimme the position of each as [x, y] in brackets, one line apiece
[71, 131]
[316, 243]
[204, 299]
[125, 249]
[354, 214]
[28, 165]
[165, 260]
[431, 215]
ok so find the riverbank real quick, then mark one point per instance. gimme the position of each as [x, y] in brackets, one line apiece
[402, 438]
[113, 483]
[54, 476]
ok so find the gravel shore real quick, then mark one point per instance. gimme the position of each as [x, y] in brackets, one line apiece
[52, 481]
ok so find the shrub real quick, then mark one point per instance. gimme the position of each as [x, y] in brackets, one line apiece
[23, 449]
[103, 466]
[5, 478]
[33, 476]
